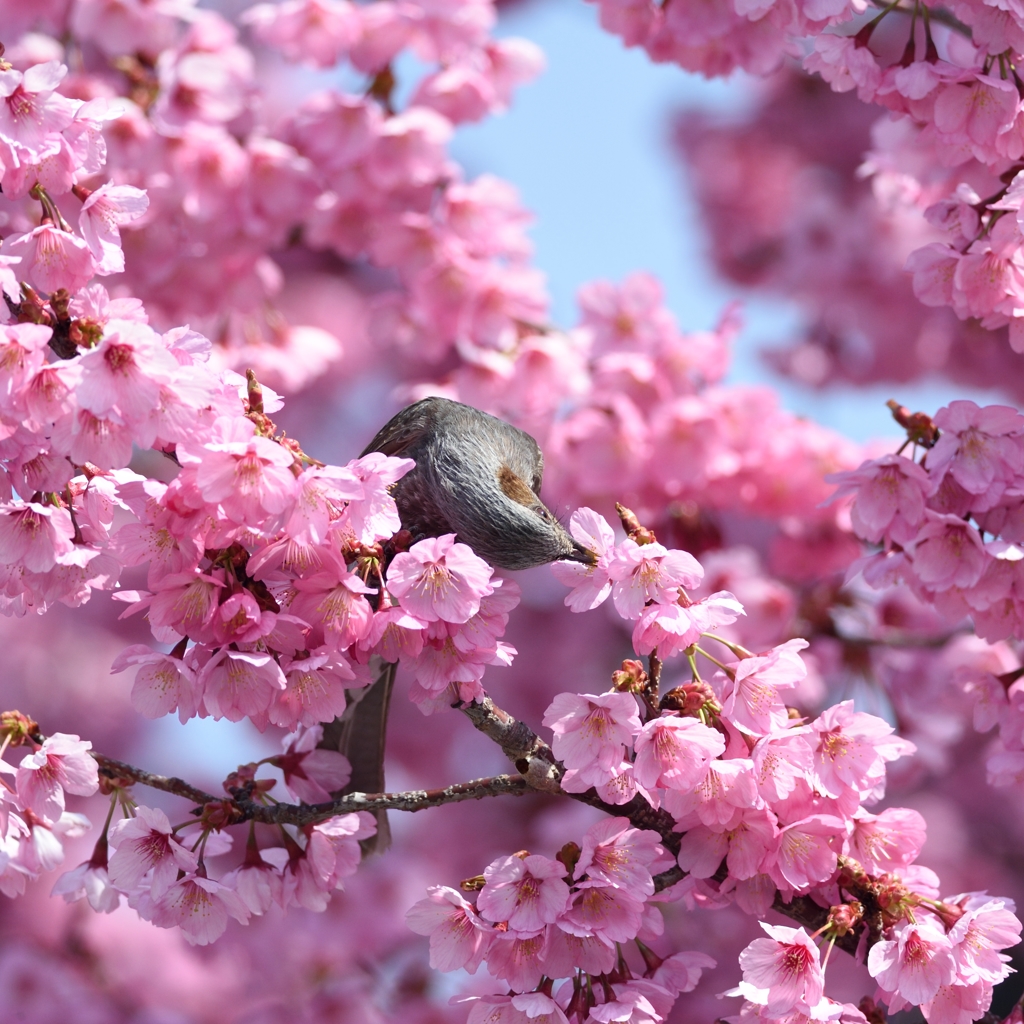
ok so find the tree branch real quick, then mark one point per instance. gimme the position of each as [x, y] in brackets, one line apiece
[111, 769]
[412, 800]
[536, 763]
[246, 809]
[539, 771]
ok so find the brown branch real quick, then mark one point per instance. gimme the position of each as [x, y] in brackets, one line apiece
[539, 771]
[412, 800]
[536, 763]
[111, 769]
[310, 814]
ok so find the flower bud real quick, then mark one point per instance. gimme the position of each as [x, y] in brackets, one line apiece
[631, 678]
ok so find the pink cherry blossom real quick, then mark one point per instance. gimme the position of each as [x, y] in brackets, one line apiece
[851, 749]
[785, 968]
[459, 937]
[333, 846]
[333, 601]
[102, 214]
[247, 475]
[752, 699]
[649, 572]
[890, 497]
[915, 963]
[33, 535]
[200, 907]
[320, 495]
[312, 773]
[527, 892]
[32, 110]
[806, 851]
[725, 788]
[948, 552]
[780, 760]
[604, 910]
[958, 1003]
[162, 683]
[674, 752]
[125, 371]
[671, 628]
[517, 959]
[375, 515]
[90, 882]
[240, 684]
[614, 853]
[883, 843]
[977, 938]
[745, 844]
[315, 689]
[61, 763]
[977, 445]
[592, 728]
[439, 578]
[52, 258]
[318, 32]
[591, 584]
[146, 844]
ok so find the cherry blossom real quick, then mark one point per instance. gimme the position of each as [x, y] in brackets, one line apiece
[674, 752]
[592, 728]
[61, 763]
[439, 579]
[458, 936]
[649, 573]
[146, 845]
[915, 963]
[782, 972]
[200, 907]
[527, 892]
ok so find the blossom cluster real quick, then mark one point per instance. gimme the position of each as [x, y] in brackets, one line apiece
[162, 871]
[276, 597]
[949, 78]
[34, 820]
[257, 554]
[932, 516]
[233, 176]
[770, 806]
[827, 219]
[536, 922]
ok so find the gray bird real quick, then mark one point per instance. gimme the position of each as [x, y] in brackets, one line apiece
[478, 477]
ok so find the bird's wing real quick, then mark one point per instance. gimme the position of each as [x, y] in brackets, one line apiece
[401, 432]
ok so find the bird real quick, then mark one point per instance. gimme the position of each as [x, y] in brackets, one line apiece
[478, 477]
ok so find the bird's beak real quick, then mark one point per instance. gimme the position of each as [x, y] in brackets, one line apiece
[580, 554]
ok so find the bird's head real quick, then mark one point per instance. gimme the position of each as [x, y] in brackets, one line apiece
[529, 534]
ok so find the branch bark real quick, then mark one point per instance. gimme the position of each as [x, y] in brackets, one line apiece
[112, 769]
[411, 800]
[310, 814]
